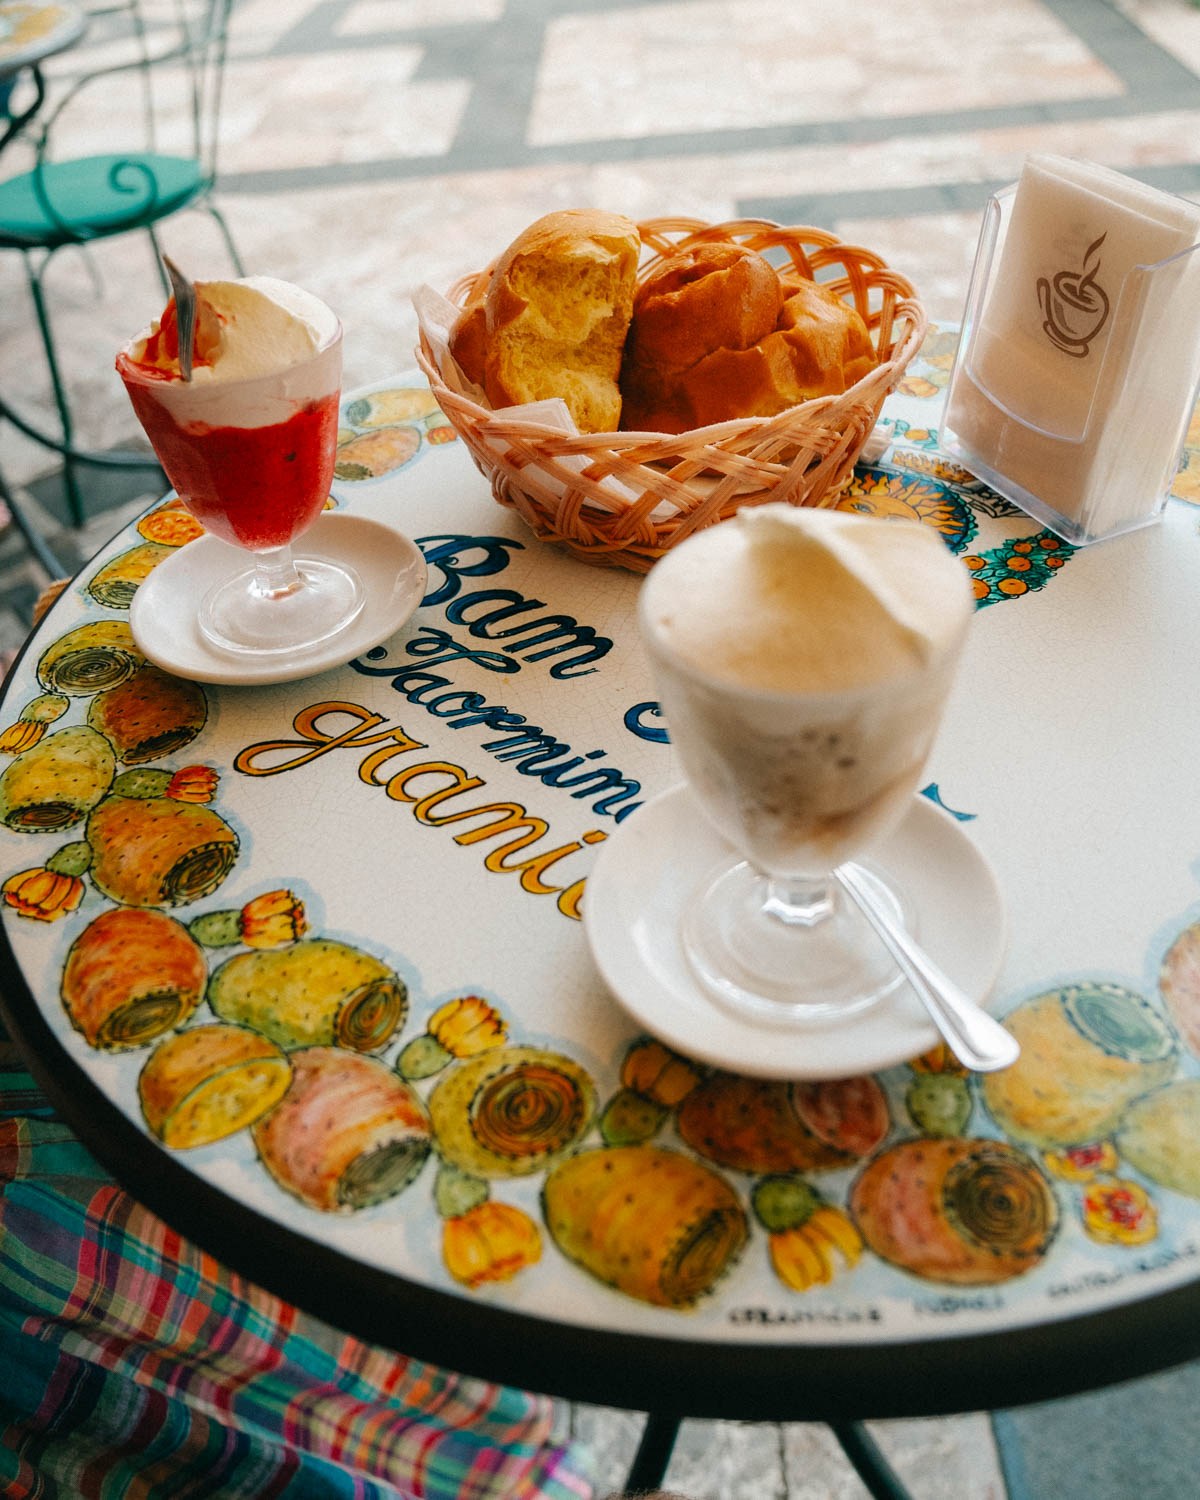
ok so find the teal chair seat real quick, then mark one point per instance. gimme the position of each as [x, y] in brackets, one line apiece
[156, 65]
[93, 196]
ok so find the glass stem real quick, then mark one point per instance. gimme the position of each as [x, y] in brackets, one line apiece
[275, 574]
[798, 902]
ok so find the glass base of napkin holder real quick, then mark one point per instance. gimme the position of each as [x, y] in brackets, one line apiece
[1121, 465]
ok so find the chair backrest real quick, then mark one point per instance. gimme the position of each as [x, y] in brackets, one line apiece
[172, 54]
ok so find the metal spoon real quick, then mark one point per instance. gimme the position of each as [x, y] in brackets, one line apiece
[976, 1039]
[185, 314]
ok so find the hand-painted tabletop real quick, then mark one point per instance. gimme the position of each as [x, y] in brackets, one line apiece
[304, 964]
[31, 30]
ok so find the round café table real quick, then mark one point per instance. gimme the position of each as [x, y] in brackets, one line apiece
[30, 32]
[304, 965]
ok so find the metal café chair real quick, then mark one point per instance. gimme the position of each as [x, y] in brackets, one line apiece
[171, 54]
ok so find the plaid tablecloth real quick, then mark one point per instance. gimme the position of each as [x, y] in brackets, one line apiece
[133, 1365]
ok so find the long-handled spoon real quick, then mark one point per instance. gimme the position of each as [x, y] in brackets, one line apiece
[185, 314]
[976, 1039]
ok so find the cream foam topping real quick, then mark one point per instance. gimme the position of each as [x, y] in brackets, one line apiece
[792, 599]
[258, 325]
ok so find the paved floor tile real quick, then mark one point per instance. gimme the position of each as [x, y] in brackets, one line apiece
[713, 65]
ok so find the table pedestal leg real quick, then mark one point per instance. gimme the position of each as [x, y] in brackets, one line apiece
[869, 1463]
[653, 1454]
[34, 540]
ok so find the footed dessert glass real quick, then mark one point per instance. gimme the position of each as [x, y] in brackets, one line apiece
[799, 781]
[252, 460]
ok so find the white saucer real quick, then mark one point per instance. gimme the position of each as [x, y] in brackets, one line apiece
[163, 614]
[649, 869]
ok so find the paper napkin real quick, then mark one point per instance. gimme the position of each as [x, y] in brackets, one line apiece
[1083, 359]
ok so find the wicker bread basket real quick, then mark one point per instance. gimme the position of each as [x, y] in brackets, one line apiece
[623, 498]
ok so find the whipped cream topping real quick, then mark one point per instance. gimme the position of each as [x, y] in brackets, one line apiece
[247, 328]
[790, 599]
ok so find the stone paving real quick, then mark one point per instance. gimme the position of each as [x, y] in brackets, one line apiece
[372, 145]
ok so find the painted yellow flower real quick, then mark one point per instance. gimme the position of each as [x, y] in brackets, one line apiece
[193, 784]
[938, 1059]
[490, 1242]
[1083, 1163]
[933, 465]
[467, 1026]
[805, 1233]
[657, 1073]
[1119, 1212]
[22, 735]
[806, 1256]
[272, 920]
[32, 721]
[42, 894]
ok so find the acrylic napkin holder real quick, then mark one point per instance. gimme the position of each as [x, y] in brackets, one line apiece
[1113, 473]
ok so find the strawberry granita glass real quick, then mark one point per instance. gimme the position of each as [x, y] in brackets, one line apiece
[251, 457]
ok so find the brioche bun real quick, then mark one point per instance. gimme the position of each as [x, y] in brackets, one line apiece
[557, 310]
[468, 337]
[713, 296]
[708, 352]
[832, 346]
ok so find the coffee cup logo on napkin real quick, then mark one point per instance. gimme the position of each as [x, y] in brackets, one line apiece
[1075, 304]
